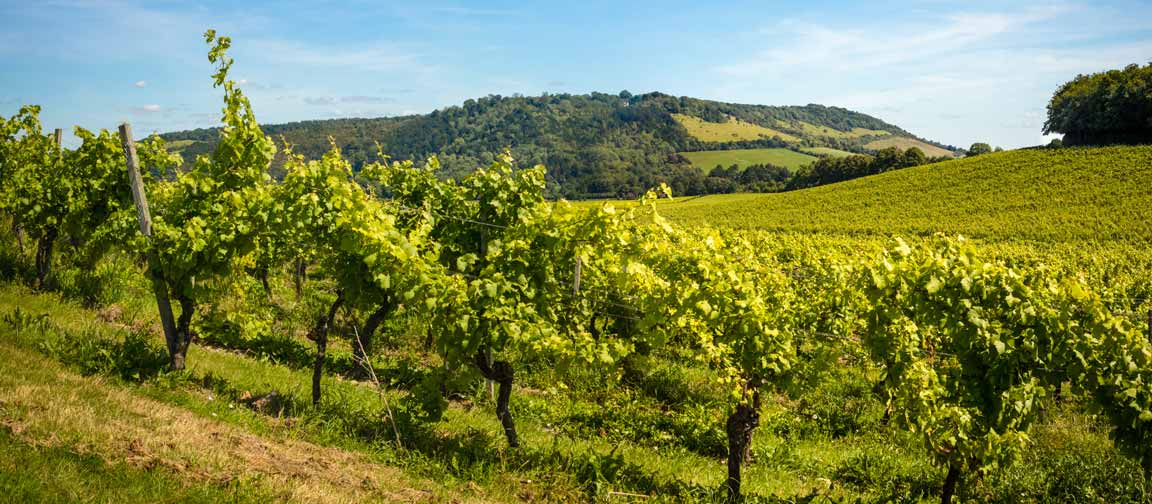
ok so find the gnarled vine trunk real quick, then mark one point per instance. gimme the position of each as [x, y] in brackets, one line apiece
[502, 373]
[183, 331]
[18, 230]
[319, 334]
[748, 445]
[363, 344]
[950, 484]
[298, 278]
[262, 274]
[740, 425]
[44, 257]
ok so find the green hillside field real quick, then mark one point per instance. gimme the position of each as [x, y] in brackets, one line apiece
[706, 160]
[1048, 195]
[814, 130]
[729, 131]
[828, 151]
[904, 143]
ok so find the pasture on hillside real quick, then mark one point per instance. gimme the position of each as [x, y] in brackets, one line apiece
[707, 160]
[731, 130]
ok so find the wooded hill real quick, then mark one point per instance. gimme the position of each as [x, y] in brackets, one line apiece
[594, 145]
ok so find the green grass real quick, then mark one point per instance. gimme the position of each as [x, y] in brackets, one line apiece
[707, 160]
[828, 151]
[179, 145]
[30, 473]
[730, 131]
[905, 143]
[1046, 195]
[812, 130]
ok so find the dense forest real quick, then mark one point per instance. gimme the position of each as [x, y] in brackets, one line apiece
[594, 145]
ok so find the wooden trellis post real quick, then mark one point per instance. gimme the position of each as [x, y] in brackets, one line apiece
[144, 217]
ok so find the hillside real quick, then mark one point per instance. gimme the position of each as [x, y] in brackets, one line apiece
[787, 158]
[595, 145]
[904, 143]
[1042, 194]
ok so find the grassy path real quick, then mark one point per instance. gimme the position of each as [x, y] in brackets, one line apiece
[43, 405]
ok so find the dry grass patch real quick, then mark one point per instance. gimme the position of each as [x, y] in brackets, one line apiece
[42, 404]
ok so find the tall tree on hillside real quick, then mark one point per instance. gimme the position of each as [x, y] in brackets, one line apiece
[979, 148]
[1102, 108]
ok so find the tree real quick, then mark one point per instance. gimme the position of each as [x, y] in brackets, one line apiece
[738, 319]
[210, 220]
[970, 348]
[1107, 107]
[913, 157]
[979, 148]
[374, 265]
[512, 254]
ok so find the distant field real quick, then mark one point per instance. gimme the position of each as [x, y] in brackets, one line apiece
[706, 160]
[906, 143]
[828, 151]
[731, 131]
[178, 145]
[810, 129]
[1046, 195]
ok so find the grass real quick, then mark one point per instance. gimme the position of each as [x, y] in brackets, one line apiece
[50, 406]
[731, 131]
[905, 143]
[1065, 195]
[812, 130]
[43, 473]
[706, 160]
[828, 151]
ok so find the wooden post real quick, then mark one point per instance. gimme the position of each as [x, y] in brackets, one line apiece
[59, 137]
[159, 285]
[576, 276]
[491, 385]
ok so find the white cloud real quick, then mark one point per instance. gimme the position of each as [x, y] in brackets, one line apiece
[146, 109]
[815, 46]
[981, 71]
[372, 57]
[141, 84]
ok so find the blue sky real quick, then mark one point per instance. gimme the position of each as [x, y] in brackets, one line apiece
[955, 72]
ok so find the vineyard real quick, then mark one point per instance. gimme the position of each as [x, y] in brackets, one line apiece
[206, 332]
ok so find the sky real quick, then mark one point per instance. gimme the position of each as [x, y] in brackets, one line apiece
[953, 72]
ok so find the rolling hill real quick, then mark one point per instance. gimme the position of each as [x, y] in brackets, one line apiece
[1049, 195]
[594, 145]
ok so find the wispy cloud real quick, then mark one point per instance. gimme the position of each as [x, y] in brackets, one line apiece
[365, 99]
[320, 101]
[140, 84]
[800, 45]
[962, 65]
[371, 57]
[146, 109]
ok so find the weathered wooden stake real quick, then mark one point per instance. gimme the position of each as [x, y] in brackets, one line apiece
[159, 285]
[488, 353]
[576, 276]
